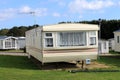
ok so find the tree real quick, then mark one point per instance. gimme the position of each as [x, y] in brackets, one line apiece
[13, 31]
[3, 32]
[22, 30]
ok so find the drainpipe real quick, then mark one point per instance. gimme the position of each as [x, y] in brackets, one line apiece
[99, 36]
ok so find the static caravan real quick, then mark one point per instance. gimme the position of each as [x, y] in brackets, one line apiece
[21, 42]
[8, 42]
[103, 46]
[63, 42]
[111, 43]
[117, 40]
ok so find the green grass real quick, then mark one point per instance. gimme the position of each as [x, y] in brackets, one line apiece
[113, 52]
[22, 68]
[113, 61]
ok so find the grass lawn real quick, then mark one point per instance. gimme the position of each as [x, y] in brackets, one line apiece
[21, 68]
[113, 61]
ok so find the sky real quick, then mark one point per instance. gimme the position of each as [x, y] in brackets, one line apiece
[46, 12]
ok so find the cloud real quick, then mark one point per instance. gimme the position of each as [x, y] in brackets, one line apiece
[80, 16]
[4, 16]
[79, 6]
[41, 11]
[119, 3]
[36, 11]
[7, 13]
[13, 12]
[58, 2]
[61, 3]
[55, 14]
[25, 9]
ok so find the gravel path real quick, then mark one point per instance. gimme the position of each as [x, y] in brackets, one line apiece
[14, 53]
[109, 55]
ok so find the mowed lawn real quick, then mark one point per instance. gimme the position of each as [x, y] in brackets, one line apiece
[22, 68]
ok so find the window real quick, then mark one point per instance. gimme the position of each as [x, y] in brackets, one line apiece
[92, 38]
[118, 39]
[8, 43]
[48, 34]
[13, 43]
[71, 39]
[48, 40]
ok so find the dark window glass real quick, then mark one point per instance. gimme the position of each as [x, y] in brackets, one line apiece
[117, 39]
[49, 42]
[48, 34]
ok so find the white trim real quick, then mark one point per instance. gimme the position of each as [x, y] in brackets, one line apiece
[48, 37]
[70, 27]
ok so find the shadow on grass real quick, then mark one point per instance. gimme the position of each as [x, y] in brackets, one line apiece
[59, 65]
[54, 65]
[113, 52]
[111, 60]
[20, 62]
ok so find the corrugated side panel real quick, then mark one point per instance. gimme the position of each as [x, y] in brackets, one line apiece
[34, 43]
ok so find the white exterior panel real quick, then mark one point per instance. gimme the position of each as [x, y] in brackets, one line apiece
[71, 56]
[34, 43]
[70, 27]
[103, 46]
[116, 41]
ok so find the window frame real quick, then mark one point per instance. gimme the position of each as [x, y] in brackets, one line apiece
[8, 43]
[48, 37]
[91, 35]
[84, 33]
[118, 39]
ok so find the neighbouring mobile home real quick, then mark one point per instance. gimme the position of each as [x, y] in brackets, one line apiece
[8, 42]
[103, 46]
[63, 42]
[111, 44]
[21, 42]
[117, 40]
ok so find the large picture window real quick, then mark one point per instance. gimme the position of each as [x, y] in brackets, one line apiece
[71, 39]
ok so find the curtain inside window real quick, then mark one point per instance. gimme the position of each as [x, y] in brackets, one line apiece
[49, 42]
[71, 39]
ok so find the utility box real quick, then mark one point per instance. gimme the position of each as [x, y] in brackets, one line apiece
[88, 61]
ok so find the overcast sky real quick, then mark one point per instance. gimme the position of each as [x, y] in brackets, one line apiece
[18, 12]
